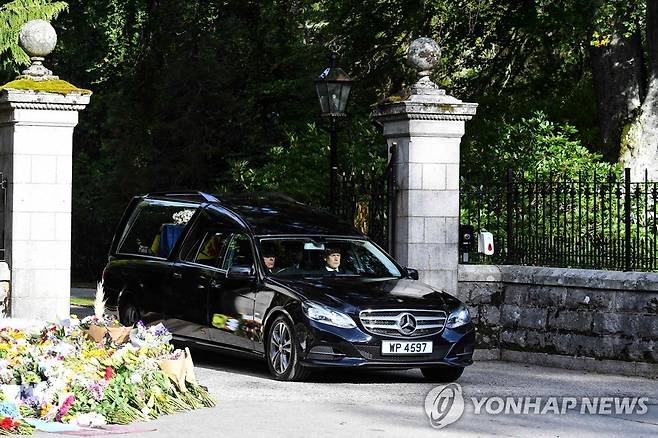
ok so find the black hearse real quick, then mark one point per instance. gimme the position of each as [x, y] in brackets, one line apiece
[276, 279]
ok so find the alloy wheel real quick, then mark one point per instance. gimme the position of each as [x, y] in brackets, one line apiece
[280, 347]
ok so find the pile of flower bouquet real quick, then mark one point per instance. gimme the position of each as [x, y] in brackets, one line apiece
[85, 373]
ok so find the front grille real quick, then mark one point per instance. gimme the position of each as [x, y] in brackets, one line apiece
[398, 323]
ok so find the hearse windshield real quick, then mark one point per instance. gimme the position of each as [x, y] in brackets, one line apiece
[310, 257]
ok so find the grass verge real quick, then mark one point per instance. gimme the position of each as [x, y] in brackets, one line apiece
[82, 301]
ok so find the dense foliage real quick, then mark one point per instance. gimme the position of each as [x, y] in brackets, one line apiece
[533, 146]
[219, 95]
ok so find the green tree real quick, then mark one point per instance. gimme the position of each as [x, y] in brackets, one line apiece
[590, 62]
[219, 94]
[181, 91]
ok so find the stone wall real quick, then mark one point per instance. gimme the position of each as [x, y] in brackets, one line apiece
[574, 318]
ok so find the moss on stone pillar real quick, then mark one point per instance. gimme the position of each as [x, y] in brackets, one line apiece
[57, 86]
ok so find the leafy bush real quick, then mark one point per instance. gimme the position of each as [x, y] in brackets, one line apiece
[535, 146]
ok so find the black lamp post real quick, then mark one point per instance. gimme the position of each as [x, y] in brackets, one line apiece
[333, 87]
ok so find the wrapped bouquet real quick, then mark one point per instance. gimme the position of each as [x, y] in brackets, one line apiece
[101, 327]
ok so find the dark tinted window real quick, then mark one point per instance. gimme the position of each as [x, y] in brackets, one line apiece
[155, 227]
[239, 252]
[206, 242]
[208, 248]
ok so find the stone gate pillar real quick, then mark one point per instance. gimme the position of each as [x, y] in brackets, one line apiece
[427, 125]
[38, 113]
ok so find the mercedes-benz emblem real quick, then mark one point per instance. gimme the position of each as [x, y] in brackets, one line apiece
[406, 324]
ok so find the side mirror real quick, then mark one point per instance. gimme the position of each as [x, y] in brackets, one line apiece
[412, 273]
[240, 272]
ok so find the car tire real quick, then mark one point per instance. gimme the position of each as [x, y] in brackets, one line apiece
[441, 374]
[128, 313]
[283, 352]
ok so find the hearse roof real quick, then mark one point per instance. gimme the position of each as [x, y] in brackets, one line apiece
[270, 213]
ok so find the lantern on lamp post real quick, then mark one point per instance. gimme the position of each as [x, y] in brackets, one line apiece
[333, 87]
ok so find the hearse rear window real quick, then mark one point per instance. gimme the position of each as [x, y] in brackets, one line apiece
[155, 228]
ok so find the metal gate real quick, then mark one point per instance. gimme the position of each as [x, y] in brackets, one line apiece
[368, 200]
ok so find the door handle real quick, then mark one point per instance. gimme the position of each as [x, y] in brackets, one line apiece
[177, 275]
[214, 284]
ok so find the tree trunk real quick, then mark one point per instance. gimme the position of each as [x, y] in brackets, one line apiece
[639, 146]
[618, 73]
[639, 143]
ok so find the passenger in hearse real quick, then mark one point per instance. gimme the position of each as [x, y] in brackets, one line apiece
[269, 259]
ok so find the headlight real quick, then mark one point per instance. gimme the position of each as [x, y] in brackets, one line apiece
[458, 318]
[327, 315]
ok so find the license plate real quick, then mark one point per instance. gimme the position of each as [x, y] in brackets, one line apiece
[406, 347]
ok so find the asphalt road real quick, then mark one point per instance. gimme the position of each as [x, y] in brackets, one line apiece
[376, 404]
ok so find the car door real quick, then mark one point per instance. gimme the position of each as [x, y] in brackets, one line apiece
[231, 300]
[193, 276]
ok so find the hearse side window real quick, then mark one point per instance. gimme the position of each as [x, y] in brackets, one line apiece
[155, 228]
[239, 252]
[206, 242]
[210, 250]
[206, 245]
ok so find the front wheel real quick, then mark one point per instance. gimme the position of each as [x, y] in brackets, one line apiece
[283, 352]
[441, 374]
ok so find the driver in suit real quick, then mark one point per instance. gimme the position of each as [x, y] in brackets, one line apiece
[332, 260]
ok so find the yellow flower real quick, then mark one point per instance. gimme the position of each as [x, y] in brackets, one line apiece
[94, 353]
[45, 409]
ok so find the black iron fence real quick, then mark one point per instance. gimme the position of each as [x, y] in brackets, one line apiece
[367, 199]
[592, 221]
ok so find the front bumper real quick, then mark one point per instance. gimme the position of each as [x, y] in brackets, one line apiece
[327, 346]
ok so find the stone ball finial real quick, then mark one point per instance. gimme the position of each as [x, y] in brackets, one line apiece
[424, 54]
[38, 38]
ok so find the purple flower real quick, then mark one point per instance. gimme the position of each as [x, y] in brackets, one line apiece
[32, 401]
[161, 331]
[97, 391]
